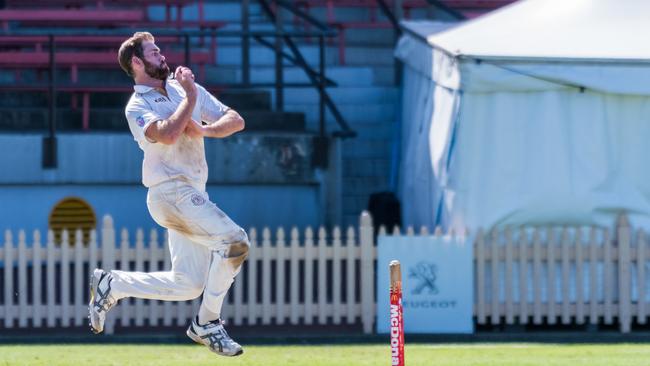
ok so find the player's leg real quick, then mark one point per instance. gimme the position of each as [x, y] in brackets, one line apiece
[214, 229]
[185, 281]
[207, 327]
[187, 210]
[208, 225]
[225, 265]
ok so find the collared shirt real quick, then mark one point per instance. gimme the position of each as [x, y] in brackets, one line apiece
[185, 159]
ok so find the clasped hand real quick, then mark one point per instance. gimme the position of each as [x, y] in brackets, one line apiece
[185, 77]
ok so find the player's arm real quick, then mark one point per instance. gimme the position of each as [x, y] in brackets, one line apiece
[220, 120]
[168, 130]
[225, 126]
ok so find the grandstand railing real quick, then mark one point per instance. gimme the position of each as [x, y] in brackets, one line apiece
[524, 276]
[317, 78]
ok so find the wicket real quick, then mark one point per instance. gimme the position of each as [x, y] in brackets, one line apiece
[396, 315]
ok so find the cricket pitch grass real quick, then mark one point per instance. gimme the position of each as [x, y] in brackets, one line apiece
[488, 354]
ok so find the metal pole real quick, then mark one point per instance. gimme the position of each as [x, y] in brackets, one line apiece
[320, 157]
[394, 20]
[52, 87]
[399, 11]
[321, 84]
[186, 37]
[399, 14]
[49, 158]
[245, 43]
[279, 76]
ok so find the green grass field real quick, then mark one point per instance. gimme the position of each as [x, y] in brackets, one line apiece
[417, 354]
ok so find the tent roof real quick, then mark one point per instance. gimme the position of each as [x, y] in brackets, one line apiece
[607, 30]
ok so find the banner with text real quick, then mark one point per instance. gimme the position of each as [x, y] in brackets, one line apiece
[437, 283]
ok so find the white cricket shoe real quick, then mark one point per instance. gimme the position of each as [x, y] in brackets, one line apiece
[101, 300]
[215, 337]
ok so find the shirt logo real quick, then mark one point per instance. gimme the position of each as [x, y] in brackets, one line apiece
[197, 200]
[140, 121]
[161, 99]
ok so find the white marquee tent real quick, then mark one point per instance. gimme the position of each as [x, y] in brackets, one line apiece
[536, 113]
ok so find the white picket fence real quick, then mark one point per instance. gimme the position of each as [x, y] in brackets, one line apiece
[566, 276]
[290, 300]
[562, 276]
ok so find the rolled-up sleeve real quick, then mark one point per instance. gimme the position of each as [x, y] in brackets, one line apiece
[140, 116]
[211, 108]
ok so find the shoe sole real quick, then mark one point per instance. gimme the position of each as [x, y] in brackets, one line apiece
[94, 282]
[197, 340]
[193, 337]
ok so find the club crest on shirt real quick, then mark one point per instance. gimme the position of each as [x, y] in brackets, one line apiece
[197, 200]
[140, 121]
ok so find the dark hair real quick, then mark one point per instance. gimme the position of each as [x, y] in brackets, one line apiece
[132, 47]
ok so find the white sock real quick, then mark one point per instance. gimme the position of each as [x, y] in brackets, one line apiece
[206, 316]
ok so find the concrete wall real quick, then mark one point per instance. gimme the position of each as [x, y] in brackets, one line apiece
[257, 178]
[29, 206]
[115, 158]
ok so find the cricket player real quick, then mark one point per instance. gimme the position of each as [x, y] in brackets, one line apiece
[169, 117]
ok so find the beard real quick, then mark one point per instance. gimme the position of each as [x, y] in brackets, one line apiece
[160, 72]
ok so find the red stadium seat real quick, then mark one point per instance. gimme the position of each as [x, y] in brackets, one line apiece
[91, 59]
[70, 18]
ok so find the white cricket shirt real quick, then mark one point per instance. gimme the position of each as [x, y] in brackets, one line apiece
[185, 158]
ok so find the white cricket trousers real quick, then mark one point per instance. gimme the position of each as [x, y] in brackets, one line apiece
[207, 249]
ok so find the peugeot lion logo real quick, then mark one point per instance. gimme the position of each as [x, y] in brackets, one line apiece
[425, 274]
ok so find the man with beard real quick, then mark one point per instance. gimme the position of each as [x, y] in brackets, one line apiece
[169, 119]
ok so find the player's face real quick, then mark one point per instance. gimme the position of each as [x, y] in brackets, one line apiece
[154, 63]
